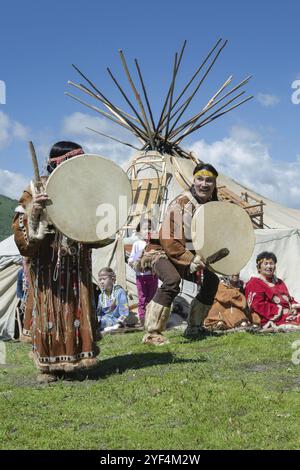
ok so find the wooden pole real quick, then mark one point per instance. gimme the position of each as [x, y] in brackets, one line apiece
[137, 96]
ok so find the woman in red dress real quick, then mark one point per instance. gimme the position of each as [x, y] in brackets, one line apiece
[268, 296]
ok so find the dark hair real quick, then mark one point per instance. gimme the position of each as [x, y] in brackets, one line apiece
[59, 149]
[265, 255]
[208, 167]
[142, 222]
[205, 166]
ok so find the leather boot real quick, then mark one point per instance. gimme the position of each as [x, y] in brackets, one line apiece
[155, 322]
[197, 315]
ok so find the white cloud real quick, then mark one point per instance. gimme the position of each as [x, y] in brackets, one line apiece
[75, 128]
[10, 130]
[244, 157]
[12, 184]
[267, 100]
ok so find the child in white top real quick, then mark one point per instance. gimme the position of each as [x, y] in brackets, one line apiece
[146, 281]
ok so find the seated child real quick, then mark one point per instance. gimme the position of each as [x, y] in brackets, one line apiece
[112, 308]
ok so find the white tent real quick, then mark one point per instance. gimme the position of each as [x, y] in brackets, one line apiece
[9, 266]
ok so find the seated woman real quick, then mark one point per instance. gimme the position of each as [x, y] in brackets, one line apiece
[229, 309]
[112, 308]
[269, 297]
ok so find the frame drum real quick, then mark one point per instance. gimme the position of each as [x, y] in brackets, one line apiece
[217, 225]
[90, 197]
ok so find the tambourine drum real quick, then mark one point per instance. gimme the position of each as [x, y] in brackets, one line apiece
[90, 197]
[217, 225]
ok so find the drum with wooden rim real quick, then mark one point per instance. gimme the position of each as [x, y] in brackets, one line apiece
[223, 227]
[90, 197]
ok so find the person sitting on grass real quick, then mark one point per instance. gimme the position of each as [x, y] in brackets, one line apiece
[229, 309]
[112, 308]
[268, 296]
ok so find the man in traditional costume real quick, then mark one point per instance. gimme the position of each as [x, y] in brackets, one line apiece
[63, 325]
[174, 259]
[268, 296]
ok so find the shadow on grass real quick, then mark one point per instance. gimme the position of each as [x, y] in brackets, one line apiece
[200, 337]
[120, 364]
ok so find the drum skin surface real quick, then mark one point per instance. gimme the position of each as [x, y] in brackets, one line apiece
[90, 197]
[218, 225]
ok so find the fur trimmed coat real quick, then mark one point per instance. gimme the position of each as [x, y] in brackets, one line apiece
[272, 302]
[59, 306]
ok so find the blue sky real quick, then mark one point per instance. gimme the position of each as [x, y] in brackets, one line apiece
[258, 144]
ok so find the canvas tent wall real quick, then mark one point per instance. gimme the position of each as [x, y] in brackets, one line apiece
[9, 266]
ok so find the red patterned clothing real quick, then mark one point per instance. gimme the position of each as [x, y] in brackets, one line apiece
[272, 302]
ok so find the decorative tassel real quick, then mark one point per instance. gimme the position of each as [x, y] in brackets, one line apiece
[199, 277]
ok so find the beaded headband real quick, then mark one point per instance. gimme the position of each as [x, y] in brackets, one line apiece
[72, 153]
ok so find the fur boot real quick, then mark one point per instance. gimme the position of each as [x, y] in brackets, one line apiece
[197, 315]
[155, 322]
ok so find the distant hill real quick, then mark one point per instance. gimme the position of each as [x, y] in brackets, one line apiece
[7, 207]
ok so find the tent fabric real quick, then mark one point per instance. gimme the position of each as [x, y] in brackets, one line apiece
[9, 265]
[275, 215]
[8, 300]
[9, 248]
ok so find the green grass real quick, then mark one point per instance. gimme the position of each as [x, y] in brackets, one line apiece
[7, 207]
[237, 391]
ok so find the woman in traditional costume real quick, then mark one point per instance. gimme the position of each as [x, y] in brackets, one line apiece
[174, 259]
[268, 296]
[63, 325]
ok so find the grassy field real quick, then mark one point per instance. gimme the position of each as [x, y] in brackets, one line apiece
[237, 391]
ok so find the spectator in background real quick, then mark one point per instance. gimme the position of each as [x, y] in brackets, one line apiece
[112, 308]
[146, 280]
[235, 281]
[268, 296]
[229, 309]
